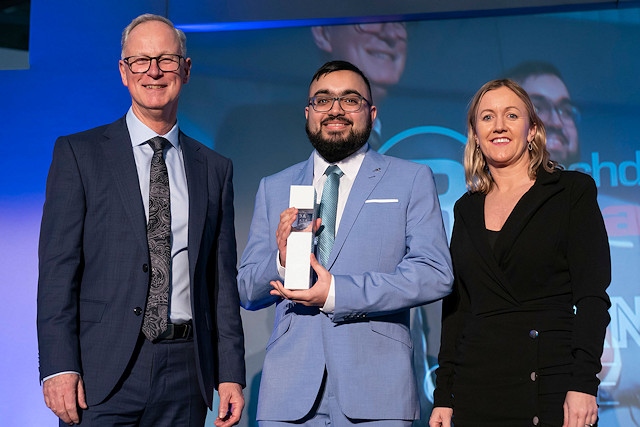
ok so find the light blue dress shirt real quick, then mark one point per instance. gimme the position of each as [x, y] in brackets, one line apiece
[180, 300]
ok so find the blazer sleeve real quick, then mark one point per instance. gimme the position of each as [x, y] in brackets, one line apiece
[454, 308]
[60, 264]
[230, 345]
[590, 268]
[424, 272]
[258, 265]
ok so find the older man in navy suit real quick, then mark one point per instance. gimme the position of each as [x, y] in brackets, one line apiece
[137, 326]
[340, 352]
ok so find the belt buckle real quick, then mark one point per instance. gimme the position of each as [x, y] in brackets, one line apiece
[173, 331]
[186, 329]
[181, 331]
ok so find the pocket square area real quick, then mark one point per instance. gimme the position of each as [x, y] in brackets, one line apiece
[381, 201]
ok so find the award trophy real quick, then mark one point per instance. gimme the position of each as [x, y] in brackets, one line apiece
[300, 241]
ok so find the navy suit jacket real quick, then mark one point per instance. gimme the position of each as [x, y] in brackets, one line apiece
[390, 254]
[94, 262]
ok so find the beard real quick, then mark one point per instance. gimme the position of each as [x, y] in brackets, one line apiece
[336, 148]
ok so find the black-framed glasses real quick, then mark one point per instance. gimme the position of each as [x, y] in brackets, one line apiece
[564, 109]
[141, 64]
[349, 103]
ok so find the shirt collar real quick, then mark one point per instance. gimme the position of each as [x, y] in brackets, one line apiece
[140, 133]
[349, 166]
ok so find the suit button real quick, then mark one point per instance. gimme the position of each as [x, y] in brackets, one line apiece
[534, 376]
[533, 334]
[137, 311]
[536, 421]
[145, 267]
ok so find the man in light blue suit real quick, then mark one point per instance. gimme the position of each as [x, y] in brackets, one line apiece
[341, 352]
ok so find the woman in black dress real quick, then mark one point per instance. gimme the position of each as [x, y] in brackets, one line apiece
[523, 330]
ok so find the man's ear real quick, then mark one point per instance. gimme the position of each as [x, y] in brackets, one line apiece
[322, 38]
[123, 72]
[187, 71]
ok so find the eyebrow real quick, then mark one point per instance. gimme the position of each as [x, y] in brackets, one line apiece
[343, 93]
[491, 110]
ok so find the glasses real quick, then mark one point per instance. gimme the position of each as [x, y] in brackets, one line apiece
[349, 103]
[141, 64]
[565, 110]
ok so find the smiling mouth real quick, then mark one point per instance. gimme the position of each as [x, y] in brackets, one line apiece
[333, 120]
[385, 56]
[154, 86]
[336, 126]
[556, 138]
[500, 140]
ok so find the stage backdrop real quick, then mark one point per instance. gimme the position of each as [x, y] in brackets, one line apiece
[246, 99]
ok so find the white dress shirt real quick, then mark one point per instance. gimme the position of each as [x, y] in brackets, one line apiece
[349, 167]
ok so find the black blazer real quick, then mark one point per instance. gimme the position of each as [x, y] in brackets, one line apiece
[93, 258]
[518, 297]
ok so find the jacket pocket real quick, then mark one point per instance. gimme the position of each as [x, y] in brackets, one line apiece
[279, 331]
[92, 311]
[395, 331]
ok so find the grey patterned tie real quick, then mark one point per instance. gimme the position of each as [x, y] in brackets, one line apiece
[328, 210]
[159, 240]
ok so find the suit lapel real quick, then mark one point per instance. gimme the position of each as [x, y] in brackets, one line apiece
[526, 207]
[371, 172]
[196, 171]
[305, 175]
[471, 213]
[118, 154]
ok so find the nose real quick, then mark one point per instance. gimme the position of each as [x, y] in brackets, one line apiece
[336, 108]
[154, 69]
[499, 124]
[395, 31]
[554, 118]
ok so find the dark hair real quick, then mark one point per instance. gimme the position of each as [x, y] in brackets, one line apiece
[523, 71]
[332, 66]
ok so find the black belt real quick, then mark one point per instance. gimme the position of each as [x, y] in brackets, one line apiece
[176, 332]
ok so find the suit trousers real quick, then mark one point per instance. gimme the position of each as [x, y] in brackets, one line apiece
[326, 412]
[159, 388]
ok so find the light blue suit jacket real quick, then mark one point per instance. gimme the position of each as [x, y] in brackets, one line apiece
[390, 254]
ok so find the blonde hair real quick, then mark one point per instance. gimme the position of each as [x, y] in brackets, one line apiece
[476, 171]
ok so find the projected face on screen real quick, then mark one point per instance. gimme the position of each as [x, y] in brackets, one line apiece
[554, 106]
[378, 49]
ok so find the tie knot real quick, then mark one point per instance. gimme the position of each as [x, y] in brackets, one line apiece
[158, 143]
[333, 169]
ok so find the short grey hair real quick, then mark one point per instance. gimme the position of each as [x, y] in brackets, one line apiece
[182, 38]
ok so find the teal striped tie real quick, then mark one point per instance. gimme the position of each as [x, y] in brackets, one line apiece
[328, 209]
